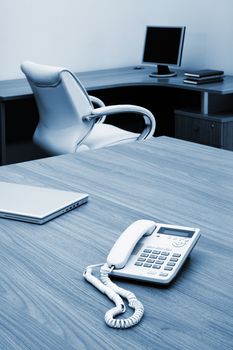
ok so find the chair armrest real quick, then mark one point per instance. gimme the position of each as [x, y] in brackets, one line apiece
[150, 122]
[99, 103]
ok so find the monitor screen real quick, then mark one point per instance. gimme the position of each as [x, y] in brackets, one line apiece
[164, 46]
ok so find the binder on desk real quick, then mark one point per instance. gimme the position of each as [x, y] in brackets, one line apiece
[204, 73]
[203, 81]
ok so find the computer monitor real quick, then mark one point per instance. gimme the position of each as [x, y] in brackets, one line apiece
[164, 46]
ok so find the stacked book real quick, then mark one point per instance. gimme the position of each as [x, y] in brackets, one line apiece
[203, 76]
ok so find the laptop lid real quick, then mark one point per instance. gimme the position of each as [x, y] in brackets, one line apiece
[36, 204]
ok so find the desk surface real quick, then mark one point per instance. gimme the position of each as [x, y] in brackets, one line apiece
[44, 301]
[118, 77]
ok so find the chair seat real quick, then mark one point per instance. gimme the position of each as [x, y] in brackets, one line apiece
[103, 135]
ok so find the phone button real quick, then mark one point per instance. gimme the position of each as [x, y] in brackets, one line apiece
[160, 262]
[144, 255]
[179, 243]
[156, 266]
[147, 250]
[138, 263]
[147, 265]
[153, 256]
[165, 253]
[176, 255]
[141, 259]
[162, 257]
[168, 268]
[174, 259]
[163, 274]
[156, 251]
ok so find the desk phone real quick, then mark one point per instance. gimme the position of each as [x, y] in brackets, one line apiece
[146, 251]
[157, 255]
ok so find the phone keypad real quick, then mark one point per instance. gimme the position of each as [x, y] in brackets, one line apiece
[157, 259]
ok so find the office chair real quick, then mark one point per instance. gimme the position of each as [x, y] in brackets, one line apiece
[68, 121]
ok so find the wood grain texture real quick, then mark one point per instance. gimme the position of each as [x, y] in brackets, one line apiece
[44, 301]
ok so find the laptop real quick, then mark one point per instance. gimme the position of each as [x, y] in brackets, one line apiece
[36, 204]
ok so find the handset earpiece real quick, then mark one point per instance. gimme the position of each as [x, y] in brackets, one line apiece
[122, 249]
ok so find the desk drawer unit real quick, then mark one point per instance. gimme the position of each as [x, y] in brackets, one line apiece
[213, 130]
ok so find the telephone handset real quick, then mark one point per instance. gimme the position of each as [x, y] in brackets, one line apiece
[122, 249]
[145, 251]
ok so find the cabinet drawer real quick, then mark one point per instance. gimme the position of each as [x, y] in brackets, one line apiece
[198, 130]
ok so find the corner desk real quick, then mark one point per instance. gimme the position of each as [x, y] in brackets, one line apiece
[45, 303]
[207, 117]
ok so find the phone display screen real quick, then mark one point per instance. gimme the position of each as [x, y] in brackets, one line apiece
[175, 232]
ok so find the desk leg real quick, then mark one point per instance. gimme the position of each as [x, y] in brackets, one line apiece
[204, 102]
[2, 134]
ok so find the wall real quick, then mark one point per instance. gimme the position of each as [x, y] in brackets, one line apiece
[209, 33]
[94, 34]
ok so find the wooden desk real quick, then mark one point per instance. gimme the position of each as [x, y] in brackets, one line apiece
[44, 301]
[212, 98]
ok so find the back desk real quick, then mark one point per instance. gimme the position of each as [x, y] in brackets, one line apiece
[210, 97]
[44, 301]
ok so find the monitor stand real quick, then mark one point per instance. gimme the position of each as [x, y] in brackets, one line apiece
[162, 72]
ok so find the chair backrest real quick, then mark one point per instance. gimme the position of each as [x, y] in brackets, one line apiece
[62, 103]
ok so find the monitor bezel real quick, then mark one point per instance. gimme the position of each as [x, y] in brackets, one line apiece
[181, 45]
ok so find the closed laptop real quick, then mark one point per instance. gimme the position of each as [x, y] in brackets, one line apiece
[36, 204]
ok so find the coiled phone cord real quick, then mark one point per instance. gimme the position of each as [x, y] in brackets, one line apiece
[114, 293]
